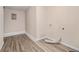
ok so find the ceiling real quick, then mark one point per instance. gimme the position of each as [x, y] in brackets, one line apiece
[17, 7]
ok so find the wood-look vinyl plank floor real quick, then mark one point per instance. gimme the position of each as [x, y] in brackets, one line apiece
[50, 47]
[22, 43]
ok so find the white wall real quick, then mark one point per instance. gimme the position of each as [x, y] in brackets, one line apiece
[41, 16]
[1, 26]
[49, 21]
[67, 17]
[55, 19]
[14, 26]
[71, 21]
[36, 20]
[31, 22]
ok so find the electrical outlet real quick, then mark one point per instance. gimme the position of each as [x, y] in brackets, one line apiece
[62, 28]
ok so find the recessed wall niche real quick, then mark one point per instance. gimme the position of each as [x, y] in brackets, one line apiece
[13, 16]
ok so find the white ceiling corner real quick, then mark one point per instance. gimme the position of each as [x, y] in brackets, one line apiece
[17, 7]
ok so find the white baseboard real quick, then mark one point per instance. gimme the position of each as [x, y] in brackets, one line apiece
[62, 43]
[1, 34]
[44, 37]
[70, 46]
[36, 39]
[31, 37]
[13, 33]
[50, 38]
[1, 42]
